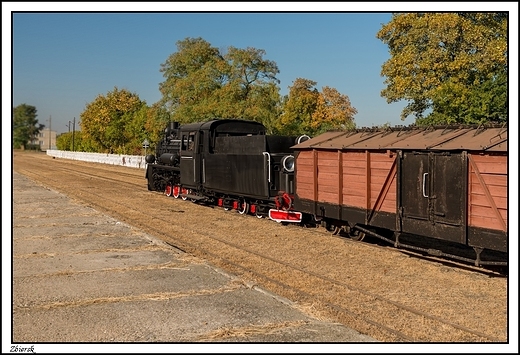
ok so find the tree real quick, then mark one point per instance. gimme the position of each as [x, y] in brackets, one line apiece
[66, 141]
[333, 111]
[202, 83]
[107, 125]
[25, 125]
[156, 120]
[192, 74]
[135, 130]
[306, 110]
[443, 64]
[250, 89]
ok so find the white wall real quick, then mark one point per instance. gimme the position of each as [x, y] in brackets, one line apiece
[132, 161]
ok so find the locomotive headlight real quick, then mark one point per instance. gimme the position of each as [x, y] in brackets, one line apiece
[150, 158]
[288, 163]
[302, 139]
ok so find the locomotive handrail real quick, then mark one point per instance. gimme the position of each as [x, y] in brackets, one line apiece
[268, 165]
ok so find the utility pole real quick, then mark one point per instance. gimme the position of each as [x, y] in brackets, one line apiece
[73, 130]
[50, 132]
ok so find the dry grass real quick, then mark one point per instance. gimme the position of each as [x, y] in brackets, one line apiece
[370, 282]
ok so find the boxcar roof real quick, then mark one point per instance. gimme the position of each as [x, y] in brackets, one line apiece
[490, 138]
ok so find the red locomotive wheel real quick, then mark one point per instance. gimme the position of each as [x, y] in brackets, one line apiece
[184, 192]
[176, 191]
[168, 190]
[243, 207]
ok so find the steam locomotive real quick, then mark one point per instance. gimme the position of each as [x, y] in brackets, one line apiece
[448, 184]
[230, 163]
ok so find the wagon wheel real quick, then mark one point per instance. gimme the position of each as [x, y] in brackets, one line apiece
[336, 230]
[330, 227]
[243, 207]
[356, 235]
[176, 191]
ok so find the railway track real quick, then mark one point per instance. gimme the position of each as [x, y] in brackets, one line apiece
[323, 290]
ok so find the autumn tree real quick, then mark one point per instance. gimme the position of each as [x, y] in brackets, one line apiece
[203, 83]
[450, 67]
[114, 123]
[333, 111]
[25, 125]
[306, 110]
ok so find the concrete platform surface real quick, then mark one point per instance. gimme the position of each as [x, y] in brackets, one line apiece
[81, 278]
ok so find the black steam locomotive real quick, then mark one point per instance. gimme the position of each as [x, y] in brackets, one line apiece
[231, 163]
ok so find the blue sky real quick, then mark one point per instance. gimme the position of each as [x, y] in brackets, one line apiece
[63, 61]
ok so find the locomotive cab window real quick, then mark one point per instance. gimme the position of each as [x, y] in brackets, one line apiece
[188, 141]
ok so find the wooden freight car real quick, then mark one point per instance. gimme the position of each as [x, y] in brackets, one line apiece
[445, 183]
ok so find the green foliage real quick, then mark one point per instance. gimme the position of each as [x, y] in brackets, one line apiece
[456, 103]
[191, 76]
[448, 66]
[201, 83]
[25, 125]
[157, 119]
[114, 123]
[73, 141]
[135, 132]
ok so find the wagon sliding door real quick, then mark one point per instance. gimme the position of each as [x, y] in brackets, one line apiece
[433, 195]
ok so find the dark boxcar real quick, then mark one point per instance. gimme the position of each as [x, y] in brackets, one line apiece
[448, 183]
